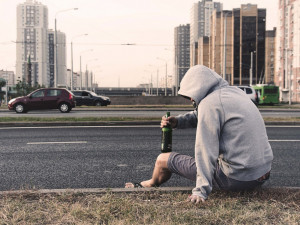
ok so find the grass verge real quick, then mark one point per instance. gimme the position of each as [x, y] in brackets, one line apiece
[113, 119]
[266, 206]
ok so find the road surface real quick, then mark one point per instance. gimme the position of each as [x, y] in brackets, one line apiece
[109, 156]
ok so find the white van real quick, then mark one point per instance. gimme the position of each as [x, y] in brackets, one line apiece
[251, 93]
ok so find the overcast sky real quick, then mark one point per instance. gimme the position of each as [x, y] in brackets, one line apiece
[110, 23]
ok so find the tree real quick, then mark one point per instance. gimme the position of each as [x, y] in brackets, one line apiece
[2, 82]
[24, 88]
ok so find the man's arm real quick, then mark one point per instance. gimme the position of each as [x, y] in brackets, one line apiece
[187, 120]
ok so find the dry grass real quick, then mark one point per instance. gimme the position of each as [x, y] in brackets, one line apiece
[266, 206]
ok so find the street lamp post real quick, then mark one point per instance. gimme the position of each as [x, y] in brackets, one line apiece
[225, 40]
[166, 75]
[288, 73]
[55, 38]
[72, 58]
[251, 68]
[157, 83]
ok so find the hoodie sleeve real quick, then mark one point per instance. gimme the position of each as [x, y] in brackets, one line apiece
[207, 144]
[187, 120]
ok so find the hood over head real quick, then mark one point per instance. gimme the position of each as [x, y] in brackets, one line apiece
[199, 81]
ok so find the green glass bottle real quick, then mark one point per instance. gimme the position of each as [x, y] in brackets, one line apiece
[166, 137]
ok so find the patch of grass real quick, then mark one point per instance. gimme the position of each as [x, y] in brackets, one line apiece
[278, 206]
[113, 119]
[281, 106]
[285, 119]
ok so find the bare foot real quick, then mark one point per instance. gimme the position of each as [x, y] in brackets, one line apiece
[146, 183]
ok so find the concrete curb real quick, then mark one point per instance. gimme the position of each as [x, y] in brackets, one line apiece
[95, 190]
[113, 190]
[164, 109]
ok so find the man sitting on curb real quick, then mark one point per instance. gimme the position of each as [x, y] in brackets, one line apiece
[232, 151]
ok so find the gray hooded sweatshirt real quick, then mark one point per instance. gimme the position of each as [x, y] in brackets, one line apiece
[230, 130]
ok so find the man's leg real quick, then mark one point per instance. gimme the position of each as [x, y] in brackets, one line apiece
[161, 173]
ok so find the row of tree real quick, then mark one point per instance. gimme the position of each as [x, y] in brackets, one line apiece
[21, 89]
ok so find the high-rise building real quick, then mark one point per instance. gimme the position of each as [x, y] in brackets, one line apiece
[76, 80]
[270, 57]
[182, 52]
[288, 47]
[237, 44]
[203, 51]
[61, 58]
[32, 28]
[200, 24]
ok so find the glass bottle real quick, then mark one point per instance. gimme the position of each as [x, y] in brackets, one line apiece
[166, 137]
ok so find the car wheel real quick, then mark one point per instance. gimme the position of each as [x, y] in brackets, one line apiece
[19, 108]
[97, 103]
[64, 107]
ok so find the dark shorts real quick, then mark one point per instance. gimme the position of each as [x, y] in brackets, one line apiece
[185, 166]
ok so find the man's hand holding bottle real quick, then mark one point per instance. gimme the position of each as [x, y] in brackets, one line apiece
[171, 120]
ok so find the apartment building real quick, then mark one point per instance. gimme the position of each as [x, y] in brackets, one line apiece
[200, 24]
[270, 59]
[9, 76]
[61, 58]
[32, 28]
[288, 51]
[237, 44]
[182, 52]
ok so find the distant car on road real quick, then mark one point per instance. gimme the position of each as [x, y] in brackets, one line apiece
[251, 93]
[90, 98]
[45, 98]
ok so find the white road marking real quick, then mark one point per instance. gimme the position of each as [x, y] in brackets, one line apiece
[284, 140]
[285, 126]
[57, 142]
[61, 127]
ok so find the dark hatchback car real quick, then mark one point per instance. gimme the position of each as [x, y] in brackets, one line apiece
[45, 98]
[90, 98]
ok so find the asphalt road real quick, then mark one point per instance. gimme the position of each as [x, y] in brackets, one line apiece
[134, 112]
[107, 157]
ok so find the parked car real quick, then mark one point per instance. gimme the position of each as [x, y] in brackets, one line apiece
[251, 93]
[90, 98]
[45, 98]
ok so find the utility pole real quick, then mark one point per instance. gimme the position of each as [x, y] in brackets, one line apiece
[6, 89]
[251, 70]
[80, 75]
[225, 40]
[157, 83]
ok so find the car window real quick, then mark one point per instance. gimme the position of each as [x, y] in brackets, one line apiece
[248, 90]
[38, 94]
[241, 88]
[53, 92]
[85, 94]
[77, 93]
[93, 93]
